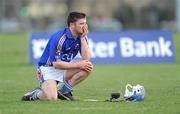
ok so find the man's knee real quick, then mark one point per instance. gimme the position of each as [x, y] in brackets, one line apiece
[50, 90]
[51, 97]
[87, 73]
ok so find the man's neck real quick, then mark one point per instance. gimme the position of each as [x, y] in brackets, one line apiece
[73, 33]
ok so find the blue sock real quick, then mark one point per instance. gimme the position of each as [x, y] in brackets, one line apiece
[66, 88]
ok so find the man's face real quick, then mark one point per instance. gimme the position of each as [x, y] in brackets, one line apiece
[78, 25]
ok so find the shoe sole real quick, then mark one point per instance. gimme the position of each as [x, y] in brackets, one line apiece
[65, 98]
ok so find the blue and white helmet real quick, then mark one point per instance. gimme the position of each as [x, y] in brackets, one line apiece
[134, 93]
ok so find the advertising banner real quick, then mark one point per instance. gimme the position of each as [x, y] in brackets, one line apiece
[130, 47]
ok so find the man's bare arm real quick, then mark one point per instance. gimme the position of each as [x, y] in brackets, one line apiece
[85, 51]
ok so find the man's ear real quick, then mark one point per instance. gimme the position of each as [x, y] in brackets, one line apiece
[72, 25]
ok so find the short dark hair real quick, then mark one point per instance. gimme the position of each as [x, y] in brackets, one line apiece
[74, 16]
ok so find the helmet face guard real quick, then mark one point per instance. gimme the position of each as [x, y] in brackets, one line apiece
[134, 93]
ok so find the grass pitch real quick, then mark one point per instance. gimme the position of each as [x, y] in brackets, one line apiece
[161, 81]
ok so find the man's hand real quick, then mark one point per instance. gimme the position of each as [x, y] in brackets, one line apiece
[85, 31]
[85, 65]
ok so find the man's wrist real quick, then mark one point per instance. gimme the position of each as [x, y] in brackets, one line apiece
[75, 65]
[84, 36]
[84, 39]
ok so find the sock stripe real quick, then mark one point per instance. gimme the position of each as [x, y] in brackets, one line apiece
[66, 88]
[35, 95]
[68, 85]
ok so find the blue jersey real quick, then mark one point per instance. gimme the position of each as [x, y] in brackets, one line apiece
[61, 46]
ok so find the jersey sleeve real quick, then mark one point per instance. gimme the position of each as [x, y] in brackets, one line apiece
[52, 48]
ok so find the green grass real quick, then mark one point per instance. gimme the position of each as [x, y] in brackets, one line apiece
[161, 81]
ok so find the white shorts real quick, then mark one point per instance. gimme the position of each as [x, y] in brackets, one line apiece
[45, 73]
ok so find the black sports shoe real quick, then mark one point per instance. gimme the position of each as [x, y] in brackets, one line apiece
[66, 96]
[29, 95]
